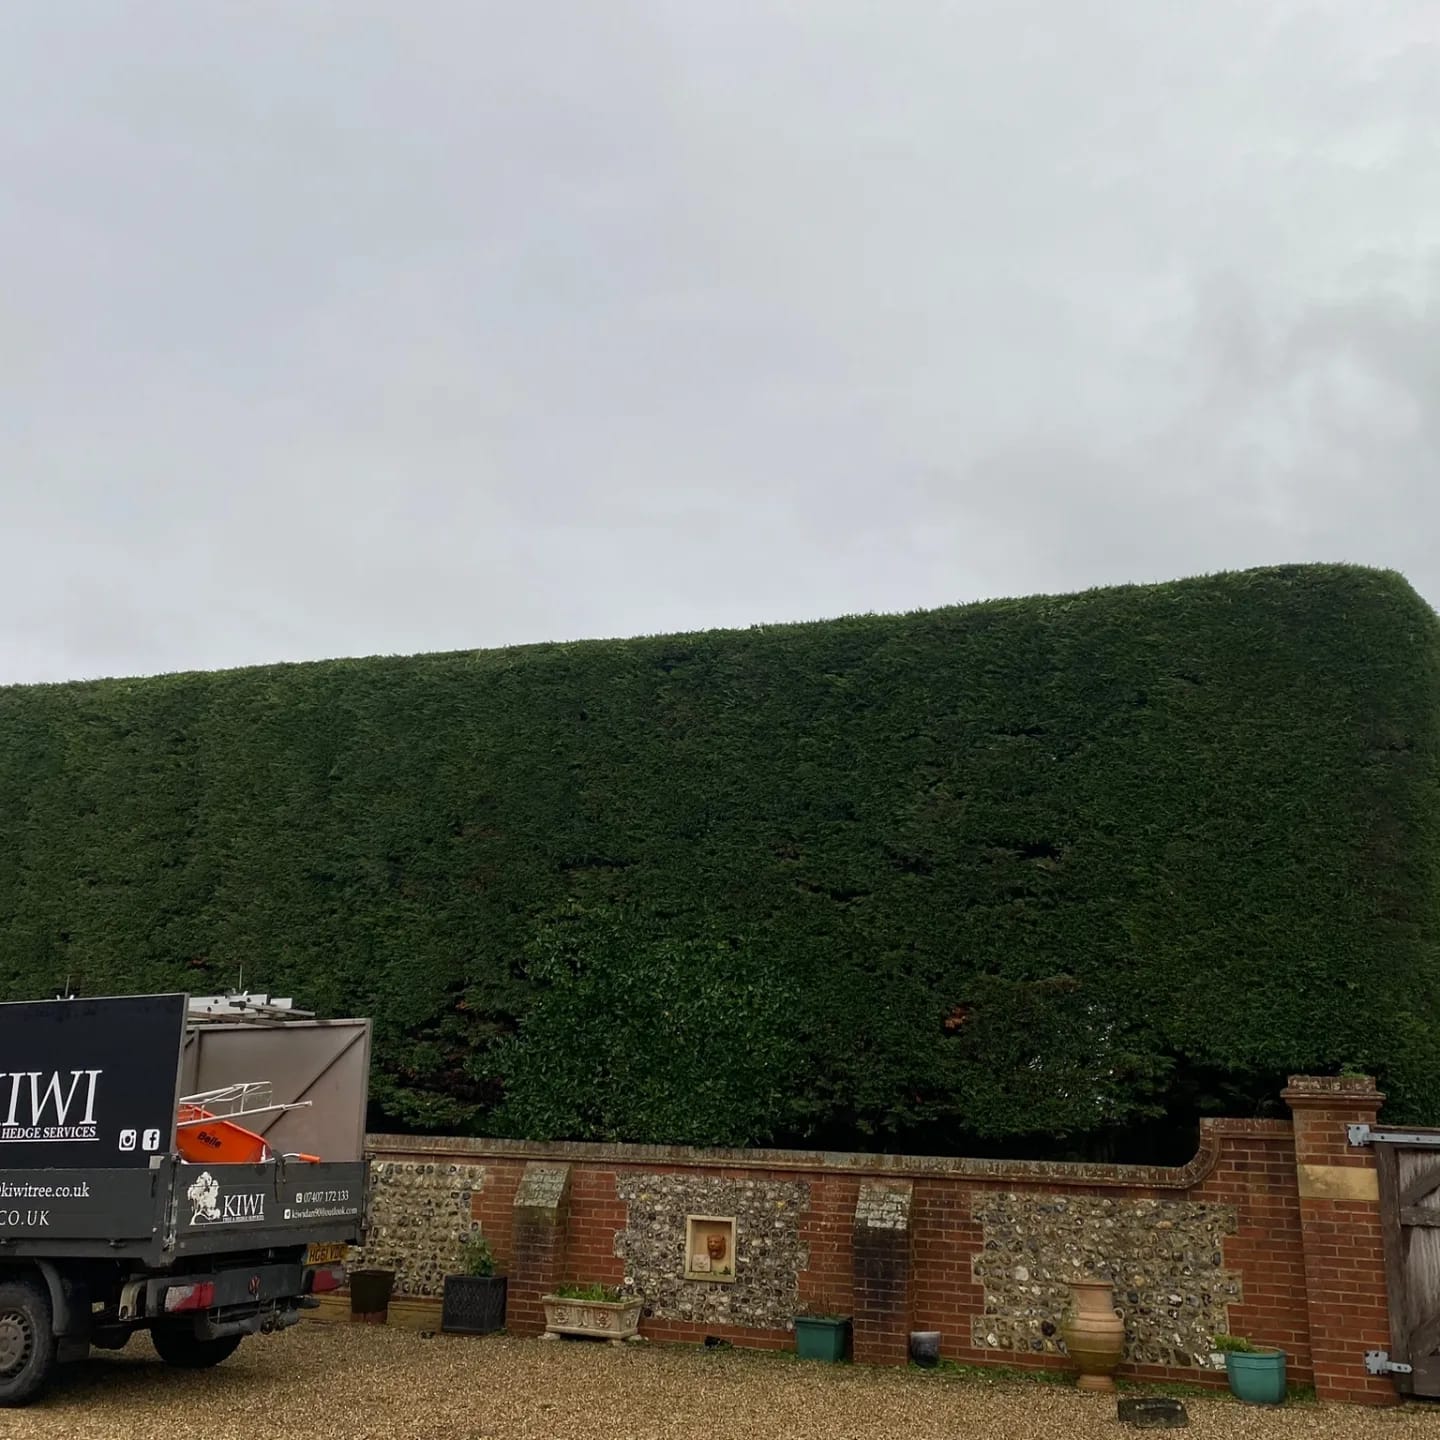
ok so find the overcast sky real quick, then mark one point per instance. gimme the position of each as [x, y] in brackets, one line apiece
[352, 328]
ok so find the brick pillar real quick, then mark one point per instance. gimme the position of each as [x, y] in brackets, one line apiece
[1340, 1230]
[882, 1272]
[541, 1223]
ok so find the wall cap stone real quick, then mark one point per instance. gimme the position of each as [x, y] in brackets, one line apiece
[819, 1162]
[883, 1205]
[1332, 1092]
[543, 1191]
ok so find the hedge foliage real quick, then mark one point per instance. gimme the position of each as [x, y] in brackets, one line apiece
[967, 877]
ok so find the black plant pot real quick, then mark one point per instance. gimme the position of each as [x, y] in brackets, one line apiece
[925, 1347]
[370, 1292]
[473, 1304]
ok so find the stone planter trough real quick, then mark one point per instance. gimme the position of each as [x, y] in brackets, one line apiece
[598, 1319]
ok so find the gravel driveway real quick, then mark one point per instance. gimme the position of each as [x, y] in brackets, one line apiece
[341, 1382]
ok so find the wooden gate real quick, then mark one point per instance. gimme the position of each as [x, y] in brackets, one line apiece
[1409, 1175]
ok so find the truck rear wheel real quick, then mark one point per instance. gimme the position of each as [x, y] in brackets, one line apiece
[178, 1345]
[27, 1341]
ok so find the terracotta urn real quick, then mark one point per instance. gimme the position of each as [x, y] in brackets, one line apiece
[715, 1244]
[1094, 1333]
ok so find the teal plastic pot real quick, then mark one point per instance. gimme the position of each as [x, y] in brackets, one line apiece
[1258, 1378]
[821, 1337]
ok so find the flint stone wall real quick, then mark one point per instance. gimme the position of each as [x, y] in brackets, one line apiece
[1164, 1258]
[420, 1215]
[769, 1254]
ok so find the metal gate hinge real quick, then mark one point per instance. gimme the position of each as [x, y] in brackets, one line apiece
[1372, 1135]
[1378, 1362]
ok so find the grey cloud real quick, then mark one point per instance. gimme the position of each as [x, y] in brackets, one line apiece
[341, 328]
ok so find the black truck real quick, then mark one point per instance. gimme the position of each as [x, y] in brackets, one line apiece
[191, 1167]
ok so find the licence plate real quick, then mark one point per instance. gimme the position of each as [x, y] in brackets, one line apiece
[326, 1254]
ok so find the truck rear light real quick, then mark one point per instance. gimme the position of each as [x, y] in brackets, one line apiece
[326, 1279]
[190, 1297]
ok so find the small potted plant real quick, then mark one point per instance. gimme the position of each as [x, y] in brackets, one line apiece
[821, 1334]
[474, 1300]
[599, 1311]
[1256, 1373]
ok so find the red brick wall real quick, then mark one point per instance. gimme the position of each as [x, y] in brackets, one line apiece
[1310, 1270]
[1255, 1171]
[827, 1230]
[597, 1214]
[883, 1272]
[1343, 1253]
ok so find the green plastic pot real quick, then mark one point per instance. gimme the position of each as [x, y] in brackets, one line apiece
[821, 1337]
[1257, 1378]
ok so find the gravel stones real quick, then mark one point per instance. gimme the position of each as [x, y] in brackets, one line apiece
[360, 1382]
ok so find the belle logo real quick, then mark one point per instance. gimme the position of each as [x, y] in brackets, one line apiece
[53, 1105]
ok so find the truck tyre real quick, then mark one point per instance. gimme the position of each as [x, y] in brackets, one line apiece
[178, 1345]
[27, 1341]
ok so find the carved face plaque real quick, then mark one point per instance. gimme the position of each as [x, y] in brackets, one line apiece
[710, 1248]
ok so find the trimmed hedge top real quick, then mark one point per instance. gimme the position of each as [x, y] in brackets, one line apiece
[1024, 868]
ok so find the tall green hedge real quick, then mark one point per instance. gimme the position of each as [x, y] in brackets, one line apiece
[973, 876]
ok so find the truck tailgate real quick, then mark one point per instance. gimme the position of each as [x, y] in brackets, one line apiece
[231, 1207]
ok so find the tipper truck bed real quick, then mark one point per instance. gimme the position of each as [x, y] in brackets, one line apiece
[193, 1168]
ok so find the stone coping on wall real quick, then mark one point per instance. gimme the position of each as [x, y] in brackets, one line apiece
[1032, 1172]
[1324, 1092]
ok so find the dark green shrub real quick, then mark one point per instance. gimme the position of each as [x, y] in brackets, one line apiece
[605, 1294]
[1233, 1345]
[476, 1257]
[971, 877]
